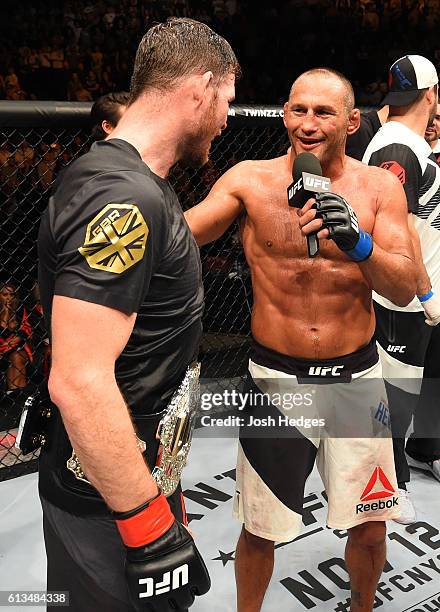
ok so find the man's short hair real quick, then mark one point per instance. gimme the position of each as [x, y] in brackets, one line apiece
[178, 48]
[107, 108]
[349, 93]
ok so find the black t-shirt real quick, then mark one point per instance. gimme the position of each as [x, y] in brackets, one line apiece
[359, 141]
[114, 234]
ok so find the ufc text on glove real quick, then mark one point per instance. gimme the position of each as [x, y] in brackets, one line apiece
[164, 569]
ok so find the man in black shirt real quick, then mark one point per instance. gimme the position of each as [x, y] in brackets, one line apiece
[121, 290]
[371, 122]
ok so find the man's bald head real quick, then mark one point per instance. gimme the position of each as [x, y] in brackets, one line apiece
[334, 75]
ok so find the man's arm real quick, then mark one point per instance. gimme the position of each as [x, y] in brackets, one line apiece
[429, 300]
[83, 385]
[86, 341]
[423, 280]
[389, 266]
[211, 218]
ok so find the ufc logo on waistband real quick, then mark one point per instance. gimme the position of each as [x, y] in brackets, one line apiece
[396, 348]
[325, 370]
[179, 578]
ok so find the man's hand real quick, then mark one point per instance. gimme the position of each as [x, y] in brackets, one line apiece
[309, 222]
[334, 218]
[431, 306]
[164, 569]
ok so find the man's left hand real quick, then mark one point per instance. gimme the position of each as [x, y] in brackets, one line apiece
[431, 306]
[332, 217]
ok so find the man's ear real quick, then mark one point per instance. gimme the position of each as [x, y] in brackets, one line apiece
[201, 84]
[354, 121]
[107, 126]
[431, 95]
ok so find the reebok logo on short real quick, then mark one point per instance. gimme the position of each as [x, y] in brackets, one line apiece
[387, 491]
[378, 487]
[396, 169]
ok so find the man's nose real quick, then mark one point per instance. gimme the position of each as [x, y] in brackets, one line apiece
[309, 123]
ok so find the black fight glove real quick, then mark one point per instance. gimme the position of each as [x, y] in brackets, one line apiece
[343, 226]
[164, 569]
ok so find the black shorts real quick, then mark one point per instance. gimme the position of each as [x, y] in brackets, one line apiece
[403, 339]
[86, 558]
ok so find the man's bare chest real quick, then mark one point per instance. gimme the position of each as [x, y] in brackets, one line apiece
[273, 225]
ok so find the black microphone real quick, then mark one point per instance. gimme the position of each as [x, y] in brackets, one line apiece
[307, 183]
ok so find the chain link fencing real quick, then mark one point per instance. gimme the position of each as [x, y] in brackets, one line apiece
[37, 140]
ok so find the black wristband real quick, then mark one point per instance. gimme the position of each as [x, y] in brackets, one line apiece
[120, 516]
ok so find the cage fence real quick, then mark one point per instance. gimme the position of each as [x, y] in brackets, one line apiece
[38, 140]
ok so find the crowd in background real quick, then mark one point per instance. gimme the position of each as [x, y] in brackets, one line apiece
[79, 49]
[30, 160]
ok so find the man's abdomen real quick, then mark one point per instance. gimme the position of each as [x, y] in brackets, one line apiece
[327, 334]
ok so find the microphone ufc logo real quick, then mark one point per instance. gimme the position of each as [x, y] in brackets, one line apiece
[296, 187]
[317, 183]
[170, 582]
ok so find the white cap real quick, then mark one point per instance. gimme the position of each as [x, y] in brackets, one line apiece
[407, 77]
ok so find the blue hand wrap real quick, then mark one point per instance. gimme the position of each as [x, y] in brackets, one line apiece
[425, 298]
[363, 248]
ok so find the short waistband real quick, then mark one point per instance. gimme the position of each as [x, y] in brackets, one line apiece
[338, 368]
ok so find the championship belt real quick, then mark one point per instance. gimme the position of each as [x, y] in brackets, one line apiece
[174, 433]
[176, 430]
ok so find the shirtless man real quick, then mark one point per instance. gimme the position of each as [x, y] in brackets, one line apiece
[315, 312]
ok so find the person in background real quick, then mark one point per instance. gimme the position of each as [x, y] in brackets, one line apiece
[422, 452]
[404, 334]
[106, 112]
[371, 122]
[432, 135]
[15, 337]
